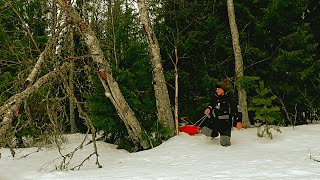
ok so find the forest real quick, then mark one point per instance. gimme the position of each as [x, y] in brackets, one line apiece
[133, 70]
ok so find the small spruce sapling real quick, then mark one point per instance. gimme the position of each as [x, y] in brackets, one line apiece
[266, 114]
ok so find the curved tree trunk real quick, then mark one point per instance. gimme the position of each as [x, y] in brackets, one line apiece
[164, 111]
[112, 90]
[242, 95]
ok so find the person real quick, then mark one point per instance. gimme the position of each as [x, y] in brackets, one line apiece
[219, 116]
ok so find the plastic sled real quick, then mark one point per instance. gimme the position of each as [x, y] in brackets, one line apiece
[193, 129]
[189, 129]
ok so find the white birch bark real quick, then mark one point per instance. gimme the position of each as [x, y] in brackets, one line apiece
[9, 106]
[242, 95]
[164, 111]
[112, 89]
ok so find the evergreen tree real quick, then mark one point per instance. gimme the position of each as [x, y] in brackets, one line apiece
[266, 113]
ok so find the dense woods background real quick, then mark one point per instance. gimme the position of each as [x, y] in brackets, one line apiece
[278, 38]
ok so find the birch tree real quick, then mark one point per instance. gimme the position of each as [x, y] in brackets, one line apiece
[112, 90]
[164, 111]
[242, 95]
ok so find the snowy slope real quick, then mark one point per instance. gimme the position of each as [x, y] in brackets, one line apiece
[287, 156]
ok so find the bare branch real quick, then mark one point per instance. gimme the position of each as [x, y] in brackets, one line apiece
[114, 93]
[83, 115]
[26, 28]
[50, 44]
[12, 104]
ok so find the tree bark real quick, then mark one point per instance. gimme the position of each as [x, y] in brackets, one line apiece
[176, 94]
[70, 52]
[12, 104]
[242, 95]
[41, 59]
[164, 111]
[112, 89]
[9, 106]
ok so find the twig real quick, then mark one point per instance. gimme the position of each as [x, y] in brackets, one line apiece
[31, 153]
[83, 115]
[81, 164]
[312, 157]
[65, 158]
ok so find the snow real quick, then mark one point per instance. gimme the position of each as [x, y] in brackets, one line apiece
[286, 156]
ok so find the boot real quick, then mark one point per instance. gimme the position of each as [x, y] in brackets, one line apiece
[225, 140]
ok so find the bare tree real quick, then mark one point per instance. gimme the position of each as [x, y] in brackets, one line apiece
[242, 95]
[9, 106]
[164, 111]
[112, 90]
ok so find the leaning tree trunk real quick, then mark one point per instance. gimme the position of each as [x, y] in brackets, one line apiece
[10, 105]
[112, 90]
[164, 111]
[238, 63]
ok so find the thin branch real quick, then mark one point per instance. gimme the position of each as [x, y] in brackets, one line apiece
[30, 89]
[24, 156]
[26, 28]
[83, 115]
[312, 157]
[50, 44]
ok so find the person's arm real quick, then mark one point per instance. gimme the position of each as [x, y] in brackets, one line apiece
[209, 108]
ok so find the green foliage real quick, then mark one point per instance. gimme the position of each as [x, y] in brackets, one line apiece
[18, 53]
[5, 81]
[101, 111]
[279, 42]
[131, 68]
[248, 82]
[265, 112]
[198, 30]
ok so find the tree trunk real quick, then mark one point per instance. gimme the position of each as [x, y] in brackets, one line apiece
[164, 111]
[242, 95]
[11, 104]
[112, 90]
[176, 88]
[70, 52]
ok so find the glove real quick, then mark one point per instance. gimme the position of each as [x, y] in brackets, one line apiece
[207, 111]
[239, 125]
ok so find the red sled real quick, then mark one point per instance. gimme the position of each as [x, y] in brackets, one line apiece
[193, 129]
[190, 129]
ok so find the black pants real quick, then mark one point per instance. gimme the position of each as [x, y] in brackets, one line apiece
[219, 126]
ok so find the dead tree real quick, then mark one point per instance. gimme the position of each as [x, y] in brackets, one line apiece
[112, 90]
[10, 106]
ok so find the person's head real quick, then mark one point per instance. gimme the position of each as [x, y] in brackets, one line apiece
[219, 91]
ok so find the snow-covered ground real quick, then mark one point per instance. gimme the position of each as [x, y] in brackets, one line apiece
[287, 156]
